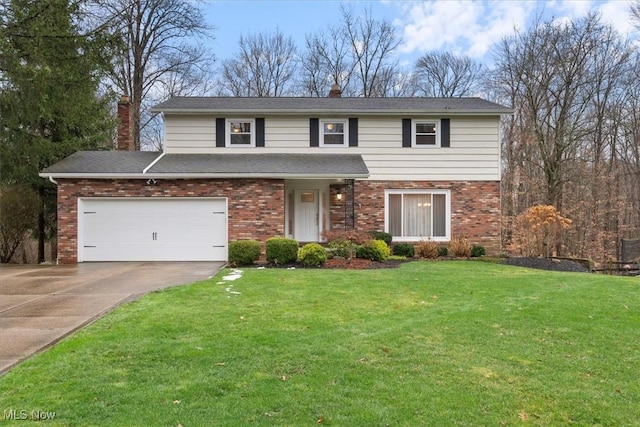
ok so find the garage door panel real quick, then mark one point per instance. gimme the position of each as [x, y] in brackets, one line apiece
[153, 230]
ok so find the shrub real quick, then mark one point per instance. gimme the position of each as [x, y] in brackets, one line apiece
[312, 255]
[375, 250]
[351, 235]
[280, 250]
[477, 251]
[460, 247]
[343, 242]
[381, 235]
[342, 248]
[537, 231]
[404, 249]
[244, 252]
[443, 251]
[427, 249]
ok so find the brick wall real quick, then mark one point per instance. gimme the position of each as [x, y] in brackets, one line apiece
[475, 208]
[256, 207]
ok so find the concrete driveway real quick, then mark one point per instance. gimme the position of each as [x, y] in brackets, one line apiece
[40, 305]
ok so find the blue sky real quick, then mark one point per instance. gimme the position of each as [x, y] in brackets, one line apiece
[463, 26]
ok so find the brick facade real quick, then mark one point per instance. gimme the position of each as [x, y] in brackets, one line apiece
[255, 207]
[475, 208]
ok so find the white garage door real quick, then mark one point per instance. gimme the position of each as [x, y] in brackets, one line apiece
[176, 229]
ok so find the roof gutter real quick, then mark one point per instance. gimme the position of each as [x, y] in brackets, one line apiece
[333, 111]
[266, 175]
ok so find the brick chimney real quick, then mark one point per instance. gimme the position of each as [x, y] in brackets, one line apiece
[335, 92]
[125, 128]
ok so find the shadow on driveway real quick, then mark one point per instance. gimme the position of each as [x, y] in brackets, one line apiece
[40, 305]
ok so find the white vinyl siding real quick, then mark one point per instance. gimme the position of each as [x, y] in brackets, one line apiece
[473, 155]
[189, 134]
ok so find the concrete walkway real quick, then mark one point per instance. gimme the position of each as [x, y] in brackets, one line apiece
[40, 305]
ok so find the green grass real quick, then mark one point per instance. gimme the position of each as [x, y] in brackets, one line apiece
[430, 343]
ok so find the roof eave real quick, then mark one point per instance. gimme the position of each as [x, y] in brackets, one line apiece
[200, 175]
[329, 111]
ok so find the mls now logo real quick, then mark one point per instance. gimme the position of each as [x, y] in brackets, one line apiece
[13, 414]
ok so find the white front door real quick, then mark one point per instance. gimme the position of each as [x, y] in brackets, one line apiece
[307, 221]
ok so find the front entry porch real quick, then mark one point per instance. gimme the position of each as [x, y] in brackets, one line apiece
[315, 206]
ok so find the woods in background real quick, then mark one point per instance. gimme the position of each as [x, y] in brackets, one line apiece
[573, 142]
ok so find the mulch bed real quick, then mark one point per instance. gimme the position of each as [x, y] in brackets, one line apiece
[365, 264]
[547, 264]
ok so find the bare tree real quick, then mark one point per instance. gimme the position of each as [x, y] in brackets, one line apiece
[372, 45]
[265, 66]
[159, 38]
[193, 80]
[326, 61]
[443, 74]
[634, 8]
[565, 82]
[357, 55]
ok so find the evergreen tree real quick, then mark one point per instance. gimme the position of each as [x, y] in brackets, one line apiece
[49, 105]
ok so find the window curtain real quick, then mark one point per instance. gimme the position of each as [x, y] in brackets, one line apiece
[395, 214]
[417, 215]
[439, 215]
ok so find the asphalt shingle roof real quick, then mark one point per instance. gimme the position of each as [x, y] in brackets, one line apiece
[103, 162]
[298, 105]
[265, 165]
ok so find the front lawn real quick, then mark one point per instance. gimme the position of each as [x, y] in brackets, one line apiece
[430, 343]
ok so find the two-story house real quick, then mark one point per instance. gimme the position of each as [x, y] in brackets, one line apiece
[254, 168]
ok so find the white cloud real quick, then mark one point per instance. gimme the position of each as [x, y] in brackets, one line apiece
[468, 27]
[618, 15]
[471, 27]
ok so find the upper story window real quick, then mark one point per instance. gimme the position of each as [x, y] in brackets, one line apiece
[425, 133]
[334, 133]
[240, 133]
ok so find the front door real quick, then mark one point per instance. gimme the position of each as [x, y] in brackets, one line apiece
[306, 224]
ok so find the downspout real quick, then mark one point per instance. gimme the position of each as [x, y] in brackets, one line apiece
[53, 180]
[152, 164]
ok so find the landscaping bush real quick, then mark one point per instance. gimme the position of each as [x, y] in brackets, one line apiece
[381, 235]
[244, 252]
[280, 250]
[404, 249]
[477, 251]
[375, 250]
[312, 255]
[460, 247]
[427, 249]
[343, 242]
[443, 251]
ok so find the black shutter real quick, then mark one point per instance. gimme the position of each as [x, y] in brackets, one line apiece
[353, 132]
[445, 133]
[260, 132]
[220, 132]
[406, 133]
[314, 132]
